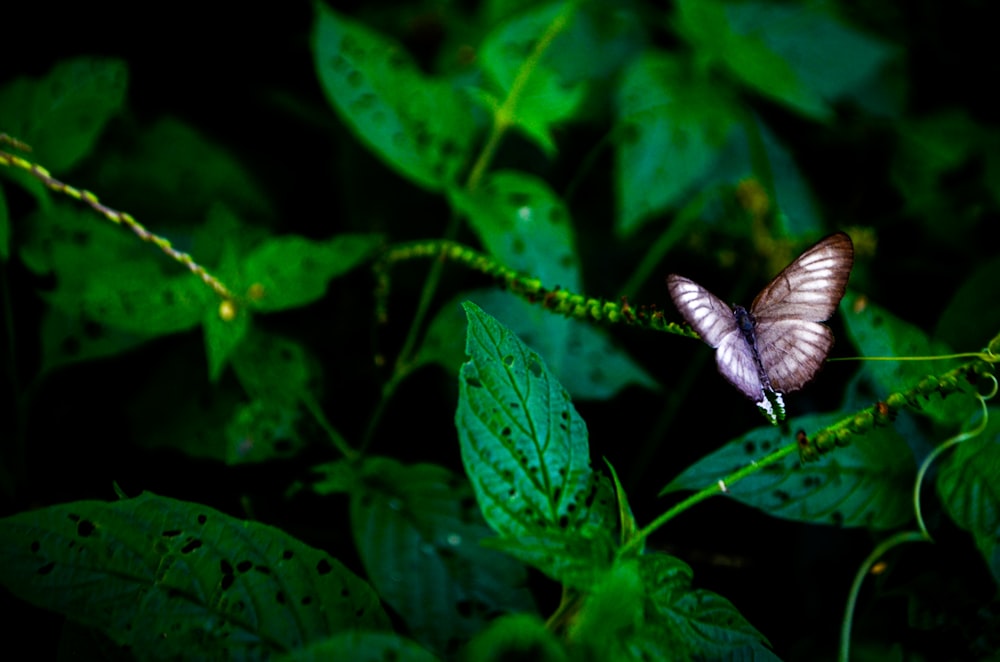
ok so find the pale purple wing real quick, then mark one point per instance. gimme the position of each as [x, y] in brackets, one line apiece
[811, 287]
[736, 364]
[705, 312]
[792, 351]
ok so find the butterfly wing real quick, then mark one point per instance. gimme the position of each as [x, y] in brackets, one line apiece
[715, 323]
[792, 351]
[811, 287]
[705, 312]
[791, 342]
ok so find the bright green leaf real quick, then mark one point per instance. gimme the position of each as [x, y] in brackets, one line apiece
[673, 126]
[524, 446]
[62, 114]
[418, 533]
[868, 483]
[535, 96]
[524, 225]
[227, 324]
[293, 271]
[876, 332]
[171, 579]
[420, 126]
[584, 357]
[144, 301]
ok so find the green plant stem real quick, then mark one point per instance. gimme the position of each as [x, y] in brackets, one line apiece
[852, 596]
[335, 437]
[718, 488]
[503, 119]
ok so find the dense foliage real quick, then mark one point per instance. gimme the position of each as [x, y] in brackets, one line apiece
[342, 332]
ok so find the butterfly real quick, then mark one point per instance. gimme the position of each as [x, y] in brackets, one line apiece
[779, 344]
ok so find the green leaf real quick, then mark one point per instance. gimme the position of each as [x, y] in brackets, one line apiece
[226, 325]
[969, 489]
[516, 637]
[799, 55]
[418, 125]
[626, 520]
[524, 446]
[576, 558]
[274, 368]
[181, 410]
[583, 357]
[172, 163]
[361, 647]
[292, 271]
[62, 115]
[876, 332]
[645, 609]
[868, 483]
[171, 579]
[673, 126]
[108, 277]
[142, 300]
[540, 97]
[418, 533]
[525, 226]
[263, 430]
[966, 304]
[704, 621]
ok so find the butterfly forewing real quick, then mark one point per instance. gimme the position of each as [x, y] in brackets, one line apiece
[811, 287]
[705, 312]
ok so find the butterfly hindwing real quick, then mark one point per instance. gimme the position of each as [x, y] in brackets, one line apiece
[792, 351]
[738, 367]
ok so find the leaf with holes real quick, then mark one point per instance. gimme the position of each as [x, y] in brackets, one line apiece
[576, 558]
[583, 357]
[678, 619]
[418, 532]
[291, 271]
[420, 126]
[865, 484]
[524, 446]
[171, 579]
[524, 225]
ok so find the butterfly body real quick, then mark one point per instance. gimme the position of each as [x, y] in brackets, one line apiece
[779, 344]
